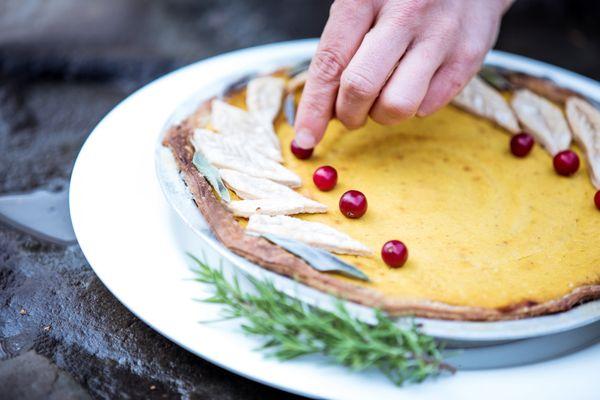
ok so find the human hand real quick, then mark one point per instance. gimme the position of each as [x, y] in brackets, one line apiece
[392, 59]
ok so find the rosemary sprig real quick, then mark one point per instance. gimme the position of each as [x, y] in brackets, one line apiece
[293, 329]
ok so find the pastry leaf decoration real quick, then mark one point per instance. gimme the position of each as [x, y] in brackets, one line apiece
[290, 329]
[212, 176]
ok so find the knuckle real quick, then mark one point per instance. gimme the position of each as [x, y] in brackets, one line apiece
[327, 65]
[472, 54]
[349, 119]
[398, 108]
[456, 75]
[381, 118]
[352, 123]
[452, 79]
[459, 71]
[357, 86]
[456, 83]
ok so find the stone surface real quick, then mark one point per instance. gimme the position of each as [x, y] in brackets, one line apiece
[31, 376]
[63, 65]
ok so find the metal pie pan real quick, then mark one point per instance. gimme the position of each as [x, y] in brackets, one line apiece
[458, 333]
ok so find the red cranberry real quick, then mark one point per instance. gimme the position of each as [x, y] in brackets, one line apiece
[394, 253]
[325, 178]
[566, 162]
[353, 204]
[521, 144]
[597, 199]
[299, 152]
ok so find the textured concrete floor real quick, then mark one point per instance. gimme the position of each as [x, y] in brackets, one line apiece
[63, 65]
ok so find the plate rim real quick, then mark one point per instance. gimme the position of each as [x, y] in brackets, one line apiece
[89, 161]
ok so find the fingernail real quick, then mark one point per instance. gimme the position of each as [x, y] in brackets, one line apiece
[305, 140]
[422, 113]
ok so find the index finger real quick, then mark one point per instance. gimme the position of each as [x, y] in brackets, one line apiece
[349, 21]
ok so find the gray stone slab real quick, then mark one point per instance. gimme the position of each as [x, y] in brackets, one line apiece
[30, 376]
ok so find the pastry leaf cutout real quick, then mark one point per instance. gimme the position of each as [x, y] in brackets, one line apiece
[585, 123]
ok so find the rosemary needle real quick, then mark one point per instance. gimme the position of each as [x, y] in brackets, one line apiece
[290, 329]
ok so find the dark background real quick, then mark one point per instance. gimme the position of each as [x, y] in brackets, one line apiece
[63, 65]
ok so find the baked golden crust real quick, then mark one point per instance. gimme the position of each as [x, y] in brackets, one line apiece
[274, 258]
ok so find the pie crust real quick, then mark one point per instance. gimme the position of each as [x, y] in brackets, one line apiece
[230, 232]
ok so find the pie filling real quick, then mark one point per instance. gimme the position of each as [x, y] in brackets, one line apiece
[484, 228]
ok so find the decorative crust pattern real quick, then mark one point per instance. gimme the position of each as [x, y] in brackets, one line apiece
[278, 260]
[585, 122]
[483, 100]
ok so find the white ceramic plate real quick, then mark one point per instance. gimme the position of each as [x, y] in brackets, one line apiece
[177, 195]
[136, 245]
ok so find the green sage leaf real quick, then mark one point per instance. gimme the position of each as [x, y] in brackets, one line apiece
[212, 176]
[289, 108]
[493, 76]
[319, 259]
